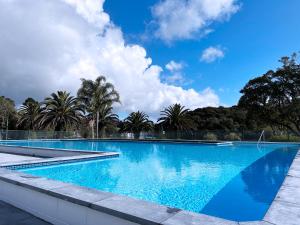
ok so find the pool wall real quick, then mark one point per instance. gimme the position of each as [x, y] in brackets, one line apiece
[62, 203]
[52, 209]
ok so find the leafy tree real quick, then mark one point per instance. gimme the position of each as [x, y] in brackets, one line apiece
[7, 113]
[176, 118]
[221, 118]
[29, 113]
[98, 97]
[137, 122]
[61, 111]
[107, 121]
[274, 97]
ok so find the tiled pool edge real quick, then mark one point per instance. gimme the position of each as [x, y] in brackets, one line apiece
[44, 152]
[285, 209]
[55, 161]
[142, 212]
[59, 156]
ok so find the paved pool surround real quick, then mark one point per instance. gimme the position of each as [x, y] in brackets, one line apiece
[63, 203]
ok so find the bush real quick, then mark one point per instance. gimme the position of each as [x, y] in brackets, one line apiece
[232, 137]
[210, 137]
[285, 138]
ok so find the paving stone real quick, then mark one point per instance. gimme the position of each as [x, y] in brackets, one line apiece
[11, 158]
[295, 168]
[80, 195]
[283, 213]
[294, 173]
[292, 181]
[190, 218]
[5, 171]
[255, 223]
[17, 177]
[134, 210]
[43, 183]
[289, 194]
[296, 164]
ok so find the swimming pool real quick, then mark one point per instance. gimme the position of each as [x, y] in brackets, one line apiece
[237, 182]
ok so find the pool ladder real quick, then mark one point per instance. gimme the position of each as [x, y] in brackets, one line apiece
[262, 136]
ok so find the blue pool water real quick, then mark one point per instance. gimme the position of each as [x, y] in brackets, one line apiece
[236, 182]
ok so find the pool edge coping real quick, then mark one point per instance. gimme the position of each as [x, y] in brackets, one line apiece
[104, 201]
[277, 214]
[55, 149]
[172, 216]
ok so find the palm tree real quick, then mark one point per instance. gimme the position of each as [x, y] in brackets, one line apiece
[176, 118]
[107, 120]
[61, 111]
[137, 122]
[98, 97]
[29, 113]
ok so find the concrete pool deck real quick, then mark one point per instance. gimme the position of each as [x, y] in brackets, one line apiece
[11, 158]
[285, 209]
[10, 215]
[62, 203]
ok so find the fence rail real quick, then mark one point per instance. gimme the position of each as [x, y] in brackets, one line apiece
[26, 134]
[278, 136]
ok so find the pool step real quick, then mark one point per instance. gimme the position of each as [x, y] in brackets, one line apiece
[226, 143]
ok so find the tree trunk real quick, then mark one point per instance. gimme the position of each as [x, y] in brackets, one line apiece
[91, 125]
[57, 132]
[97, 124]
[6, 127]
[136, 135]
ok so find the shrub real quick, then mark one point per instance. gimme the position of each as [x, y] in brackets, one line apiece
[232, 137]
[285, 138]
[210, 137]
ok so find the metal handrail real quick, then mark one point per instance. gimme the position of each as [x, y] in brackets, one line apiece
[260, 137]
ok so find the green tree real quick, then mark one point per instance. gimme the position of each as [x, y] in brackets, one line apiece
[107, 121]
[7, 114]
[223, 119]
[29, 113]
[98, 96]
[274, 97]
[61, 111]
[137, 122]
[176, 118]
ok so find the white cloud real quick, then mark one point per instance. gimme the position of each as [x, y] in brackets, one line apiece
[175, 75]
[49, 45]
[211, 54]
[174, 66]
[91, 10]
[183, 19]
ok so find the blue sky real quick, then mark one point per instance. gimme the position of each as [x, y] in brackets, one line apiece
[253, 40]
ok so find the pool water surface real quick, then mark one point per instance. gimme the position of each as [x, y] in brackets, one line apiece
[237, 182]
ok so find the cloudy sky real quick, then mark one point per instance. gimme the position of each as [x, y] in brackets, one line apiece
[156, 52]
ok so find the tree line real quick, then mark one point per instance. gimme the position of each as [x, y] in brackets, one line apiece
[270, 101]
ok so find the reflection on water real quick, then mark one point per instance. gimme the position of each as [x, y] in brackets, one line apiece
[250, 194]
